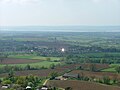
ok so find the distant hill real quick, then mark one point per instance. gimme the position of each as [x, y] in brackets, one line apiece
[63, 28]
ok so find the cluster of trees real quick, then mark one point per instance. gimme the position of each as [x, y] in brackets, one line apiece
[7, 68]
[105, 79]
[53, 75]
[2, 57]
[117, 68]
[21, 82]
[89, 49]
[72, 59]
[90, 67]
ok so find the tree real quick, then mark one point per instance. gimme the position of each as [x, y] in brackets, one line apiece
[53, 75]
[117, 69]
[92, 67]
[3, 56]
[0, 81]
[102, 61]
[1, 59]
[48, 59]
[6, 82]
[106, 80]
[22, 81]
[79, 68]
[11, 74]
[81, 76]
[52, 66]
[27, 67]
[115, 78]
[78, 76]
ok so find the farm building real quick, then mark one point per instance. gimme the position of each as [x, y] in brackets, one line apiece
[44, 88]
[5, 86]
[28, 88]
[60, 78]
[68, 75]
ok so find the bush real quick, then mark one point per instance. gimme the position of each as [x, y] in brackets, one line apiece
[6, 82]
[53, 75]
[106, 80]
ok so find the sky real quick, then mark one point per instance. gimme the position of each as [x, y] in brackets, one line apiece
[59, 12]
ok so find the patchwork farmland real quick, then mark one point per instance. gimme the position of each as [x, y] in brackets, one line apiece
[60, 60]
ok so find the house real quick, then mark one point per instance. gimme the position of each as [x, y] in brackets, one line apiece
[44, 88]
[28, 88]
[60, 78]
[5, 86]
[69, 75]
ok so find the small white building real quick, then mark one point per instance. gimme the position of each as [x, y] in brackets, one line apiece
[44, 88]
[5, 86]
[60, 78]
[28, 88]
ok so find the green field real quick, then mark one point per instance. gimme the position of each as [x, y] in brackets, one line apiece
[101, 54]
[32, 56]
[111, 69]
[114, 65]
[38, 64]
[46, 61]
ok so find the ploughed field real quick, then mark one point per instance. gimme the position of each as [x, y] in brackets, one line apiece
[96, 74]
[23, 62]
[97, 66]
[59, 69]
[80, 85]
[18, 61]
[41, 73]
[86, 66]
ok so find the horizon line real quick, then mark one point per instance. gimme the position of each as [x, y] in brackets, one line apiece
[51, 25]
